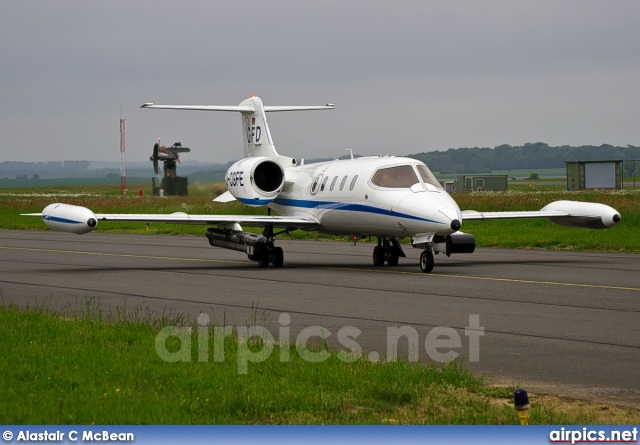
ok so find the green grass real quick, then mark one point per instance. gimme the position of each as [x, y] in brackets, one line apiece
[67, 182]
[89, 367]
[538, 233]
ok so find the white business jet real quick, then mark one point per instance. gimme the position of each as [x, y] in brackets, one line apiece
[380, 196]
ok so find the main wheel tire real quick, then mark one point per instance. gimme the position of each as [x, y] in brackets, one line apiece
[378, 256]
[393, 258]
[263, 260]
[426, 261]
[278, 257]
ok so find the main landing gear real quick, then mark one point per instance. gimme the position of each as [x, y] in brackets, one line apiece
[387, 251]
[268, 253]
[271, 255]
[259, 248]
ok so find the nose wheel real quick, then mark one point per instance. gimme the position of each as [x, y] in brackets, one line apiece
[426, 261]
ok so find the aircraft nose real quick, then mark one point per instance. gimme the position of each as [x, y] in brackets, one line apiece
[453, 216]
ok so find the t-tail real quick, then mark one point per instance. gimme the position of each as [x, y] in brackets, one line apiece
[255, 128]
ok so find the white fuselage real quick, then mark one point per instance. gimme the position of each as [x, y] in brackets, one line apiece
[342, 196]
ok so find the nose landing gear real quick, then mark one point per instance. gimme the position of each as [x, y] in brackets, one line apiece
[426, 261]
[388, 250]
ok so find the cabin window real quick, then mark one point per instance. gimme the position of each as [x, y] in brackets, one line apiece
[427, 176]
[324, 183]
[333, 183]
[344, 180]
[314, 186]
[401, 176]
[353, 182]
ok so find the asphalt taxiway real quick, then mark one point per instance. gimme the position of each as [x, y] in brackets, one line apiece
[561, 322]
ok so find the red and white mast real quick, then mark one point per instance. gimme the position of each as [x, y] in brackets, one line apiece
[123, 176]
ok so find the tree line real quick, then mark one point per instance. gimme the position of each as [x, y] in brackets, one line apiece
[531, 156]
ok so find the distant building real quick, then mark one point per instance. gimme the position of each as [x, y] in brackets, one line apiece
[478, 183]
[583, 175]
[449, 186]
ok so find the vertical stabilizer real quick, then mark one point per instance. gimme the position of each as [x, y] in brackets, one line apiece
[257, 137]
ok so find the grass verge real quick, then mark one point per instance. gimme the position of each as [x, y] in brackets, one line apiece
[93, 368]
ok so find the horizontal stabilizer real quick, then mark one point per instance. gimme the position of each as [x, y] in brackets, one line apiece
[241, 109]
[238, 108]
[255, 129]
[299, 108]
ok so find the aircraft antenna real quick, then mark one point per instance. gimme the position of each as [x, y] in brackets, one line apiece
[350, 151]
[123, 176]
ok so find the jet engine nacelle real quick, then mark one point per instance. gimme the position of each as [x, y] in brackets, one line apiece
[69, 218]
[255, 181]
[587, 215]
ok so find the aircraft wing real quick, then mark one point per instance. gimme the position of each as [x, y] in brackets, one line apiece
[77, 219]
[588, 215]
[184, 218]
[473, 215]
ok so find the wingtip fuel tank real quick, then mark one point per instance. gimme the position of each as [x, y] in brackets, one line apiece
[69, 218]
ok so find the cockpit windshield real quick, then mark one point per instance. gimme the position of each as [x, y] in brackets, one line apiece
[401, 176]
[427, 176]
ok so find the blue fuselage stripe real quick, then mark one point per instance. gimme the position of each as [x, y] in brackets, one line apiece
[346, 206]
[60, 220]
[254, 201]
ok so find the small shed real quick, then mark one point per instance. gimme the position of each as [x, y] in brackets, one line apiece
[477, 183]
[583, 175]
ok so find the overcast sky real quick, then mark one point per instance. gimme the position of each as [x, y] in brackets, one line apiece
[406, 76]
